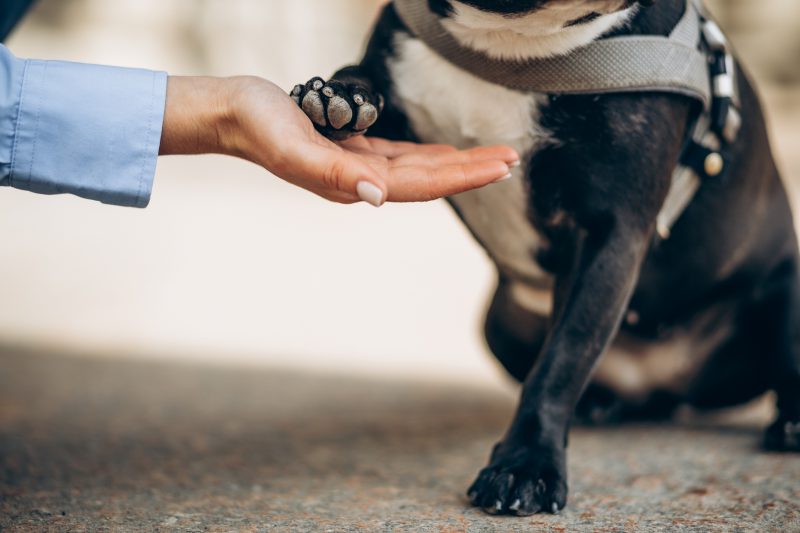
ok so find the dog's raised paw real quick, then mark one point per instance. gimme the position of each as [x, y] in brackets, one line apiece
[520, 488]
[783, 435]
[338, 110]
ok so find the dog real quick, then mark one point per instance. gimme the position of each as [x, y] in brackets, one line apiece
[597, 316]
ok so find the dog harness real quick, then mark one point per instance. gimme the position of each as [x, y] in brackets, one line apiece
[694, 61]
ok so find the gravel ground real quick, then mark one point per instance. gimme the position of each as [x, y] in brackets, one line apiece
[94, 445]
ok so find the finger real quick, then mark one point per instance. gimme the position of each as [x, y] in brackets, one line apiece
[473, 155]
[338, 171]
[423, 183]
[392, 149]
[398, 150]
[336, 197]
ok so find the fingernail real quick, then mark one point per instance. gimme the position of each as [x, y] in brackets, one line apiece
[504, 178]
[515, 164]
[370, 193]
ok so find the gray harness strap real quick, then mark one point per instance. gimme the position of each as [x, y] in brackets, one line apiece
[620, 64]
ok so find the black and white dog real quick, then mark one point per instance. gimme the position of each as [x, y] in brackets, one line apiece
[593, 313]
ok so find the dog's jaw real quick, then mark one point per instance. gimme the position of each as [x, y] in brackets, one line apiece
[537, 35]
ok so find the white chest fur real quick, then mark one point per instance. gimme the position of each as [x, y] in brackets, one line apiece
[448, 105]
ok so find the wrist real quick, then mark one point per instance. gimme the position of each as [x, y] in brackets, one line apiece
[197, 116]
[230, 119]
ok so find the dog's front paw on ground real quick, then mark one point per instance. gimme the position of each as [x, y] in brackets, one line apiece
[783, 435]
[521, 483]
[338, 110]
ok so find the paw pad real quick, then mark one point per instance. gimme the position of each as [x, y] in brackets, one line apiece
[314, 108]
[338, 110]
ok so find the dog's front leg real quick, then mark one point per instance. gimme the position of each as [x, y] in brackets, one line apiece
[527, 472]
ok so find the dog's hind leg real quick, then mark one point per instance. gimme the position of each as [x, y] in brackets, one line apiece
[514, 332]
[781, 319]
[740, 369]
[763, 354]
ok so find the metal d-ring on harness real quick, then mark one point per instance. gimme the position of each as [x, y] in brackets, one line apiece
[703, 155]
[693, 61]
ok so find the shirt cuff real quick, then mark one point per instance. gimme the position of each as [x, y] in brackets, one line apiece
[88, 130]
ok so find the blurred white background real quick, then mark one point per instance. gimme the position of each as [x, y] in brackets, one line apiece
[229, 264]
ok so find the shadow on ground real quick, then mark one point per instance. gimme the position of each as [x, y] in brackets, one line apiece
[93, 445]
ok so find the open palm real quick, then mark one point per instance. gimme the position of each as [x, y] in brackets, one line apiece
[281, 138]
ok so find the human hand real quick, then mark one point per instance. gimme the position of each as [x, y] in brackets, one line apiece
[254, 119]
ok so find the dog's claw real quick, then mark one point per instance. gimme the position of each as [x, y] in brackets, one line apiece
[521, 488]
[338, 110]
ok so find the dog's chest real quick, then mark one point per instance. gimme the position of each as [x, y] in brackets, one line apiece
[445, 104]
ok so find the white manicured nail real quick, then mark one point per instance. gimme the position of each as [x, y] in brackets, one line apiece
[504, 178]
[515, 164]
[372, 194]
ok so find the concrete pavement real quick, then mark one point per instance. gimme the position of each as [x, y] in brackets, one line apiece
[98, 445]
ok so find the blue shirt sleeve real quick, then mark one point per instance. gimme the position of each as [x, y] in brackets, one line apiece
[87, 130]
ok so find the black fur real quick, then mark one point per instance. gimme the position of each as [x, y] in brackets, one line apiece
[443, 8]
[732, 256]
[589, 17]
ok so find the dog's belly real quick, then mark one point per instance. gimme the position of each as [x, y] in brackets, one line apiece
[445, 104]
[634, 367]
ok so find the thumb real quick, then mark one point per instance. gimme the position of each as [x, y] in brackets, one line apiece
[343, 172]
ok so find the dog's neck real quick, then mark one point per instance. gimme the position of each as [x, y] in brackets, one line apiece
[541, 34]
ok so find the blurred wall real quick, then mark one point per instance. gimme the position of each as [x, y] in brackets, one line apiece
[230, 264]
[767, 36]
